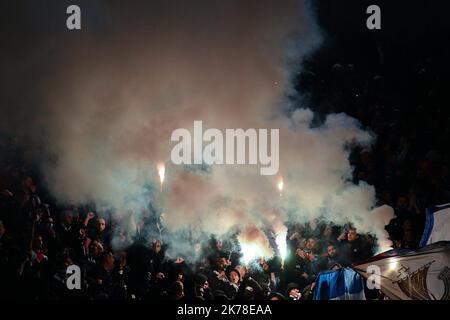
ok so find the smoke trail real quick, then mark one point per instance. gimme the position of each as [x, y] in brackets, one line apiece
[110, 99]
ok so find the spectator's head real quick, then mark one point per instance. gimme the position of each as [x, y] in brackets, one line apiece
[242, 271]
[123, 236]
[311, 244]
[200, 280]
[220, 263]
[327, 232]
[201, 284]
[38, 243]
[263, 263]
[300, 253]
[107, 260]
[180, 276]
[97, 248]
[177, 290]
[101, 224]
[157, 246]
[293, 291]
[33, 188]
[199, 291]
[27, 183]
[331, 251]
[67, 218]
[235, 276]
[352, 235]
[402, 202]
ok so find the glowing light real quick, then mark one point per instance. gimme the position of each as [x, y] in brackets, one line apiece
[280, 185]
[383, 246]
[393, 265]
[281, 244]
[254, 244]
[161, 173]
[251, 251]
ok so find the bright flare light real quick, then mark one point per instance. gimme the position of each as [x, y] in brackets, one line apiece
[393, 265]
[161, 173]
[280, 185]
[282, 245]
[383, 246]
[251, 251]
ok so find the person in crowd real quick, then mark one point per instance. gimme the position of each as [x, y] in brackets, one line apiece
[6, 240]
[330, 259]
[293, 291]
[97, 234]
[202, 289]
[102, 285]
[311, 245]
[250, 289]
[66, 230]
[38, 251]
[353, 247]
[409, 171]
[176, 291]
[233, 284]
[328, 237]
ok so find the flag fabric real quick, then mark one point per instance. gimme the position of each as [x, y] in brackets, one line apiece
[437, 225]
[423, 274]
[342, 284]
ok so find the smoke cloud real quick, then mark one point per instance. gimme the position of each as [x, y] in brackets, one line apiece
[107, 100]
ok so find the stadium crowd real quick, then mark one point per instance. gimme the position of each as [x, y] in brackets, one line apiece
[408, 165]
[38, 244]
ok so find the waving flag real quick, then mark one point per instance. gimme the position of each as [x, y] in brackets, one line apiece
[423, 274]
[342, 284]
[437, 225]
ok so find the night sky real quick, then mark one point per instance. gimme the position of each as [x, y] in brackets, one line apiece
[411, 32]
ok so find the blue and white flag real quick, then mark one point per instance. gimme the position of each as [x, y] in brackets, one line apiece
[422, 274]
[437, 225]
[342, 284]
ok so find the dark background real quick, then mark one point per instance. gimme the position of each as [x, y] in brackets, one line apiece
[394, 80]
